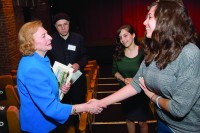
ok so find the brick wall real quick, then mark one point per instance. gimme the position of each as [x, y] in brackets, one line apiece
[11, 20]
[9, 51]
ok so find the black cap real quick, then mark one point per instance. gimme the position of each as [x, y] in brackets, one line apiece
[60, 16]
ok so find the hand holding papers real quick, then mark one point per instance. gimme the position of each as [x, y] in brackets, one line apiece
[75, 75]
[63, 73]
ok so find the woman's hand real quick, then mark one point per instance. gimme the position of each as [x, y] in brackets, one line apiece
[95, 106]
[75, 66]
[65, 88]
[144, 88]
[128, 80]
[163, 102]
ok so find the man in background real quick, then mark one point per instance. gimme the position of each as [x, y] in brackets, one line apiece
[68, 47]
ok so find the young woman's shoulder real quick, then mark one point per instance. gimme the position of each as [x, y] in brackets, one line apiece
[189, 54]
[191, 50]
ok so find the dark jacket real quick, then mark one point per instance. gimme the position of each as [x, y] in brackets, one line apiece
[61, 52]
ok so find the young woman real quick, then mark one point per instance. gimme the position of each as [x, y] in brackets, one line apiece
[170, 73]
[127, 58]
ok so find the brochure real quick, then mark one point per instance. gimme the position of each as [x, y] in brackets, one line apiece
[75, 75]
[64, 75]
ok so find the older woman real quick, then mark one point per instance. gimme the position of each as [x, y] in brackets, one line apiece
[41, 110]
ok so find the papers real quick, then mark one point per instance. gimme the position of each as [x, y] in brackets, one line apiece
[63, 73]
[75, 75]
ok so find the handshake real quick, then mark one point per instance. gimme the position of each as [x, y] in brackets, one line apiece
[95, 106]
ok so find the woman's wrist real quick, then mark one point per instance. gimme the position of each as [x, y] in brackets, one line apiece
[78, 108]
[124, 80]
[152, 97]
[86, 107]
[157, 102]
[74, 110]
[119, 77]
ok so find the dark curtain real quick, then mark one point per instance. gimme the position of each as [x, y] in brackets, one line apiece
[104, 17]
[98, 20]
[193, 7]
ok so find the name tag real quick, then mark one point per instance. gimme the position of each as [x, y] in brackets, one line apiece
[71, 47]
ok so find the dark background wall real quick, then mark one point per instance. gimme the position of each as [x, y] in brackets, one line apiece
[96, 20]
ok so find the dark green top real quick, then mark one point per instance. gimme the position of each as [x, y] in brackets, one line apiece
[128, 67]
[134, 108]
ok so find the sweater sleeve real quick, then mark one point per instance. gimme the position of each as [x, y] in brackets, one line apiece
[135, 82]
[188, 87]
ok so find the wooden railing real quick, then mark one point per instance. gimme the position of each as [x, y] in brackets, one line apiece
[92, 74]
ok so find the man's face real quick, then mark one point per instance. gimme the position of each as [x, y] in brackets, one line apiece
[62, 27]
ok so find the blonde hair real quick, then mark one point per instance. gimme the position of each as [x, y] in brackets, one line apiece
[25, 37]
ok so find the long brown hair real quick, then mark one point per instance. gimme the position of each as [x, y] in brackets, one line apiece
[119, 48]
[174, 30]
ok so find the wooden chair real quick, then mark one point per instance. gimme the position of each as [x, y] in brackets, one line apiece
[5, 80]
[94, 69]
[96, 66]
[14, 75]
[11, 97]
[91, 70]
[13, 72]
[16, 91]
[11, 123]
[91, 73]
[85, 117]
[90, 82]
[14, 78]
